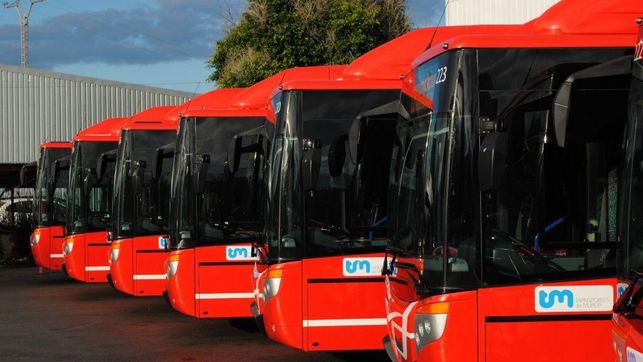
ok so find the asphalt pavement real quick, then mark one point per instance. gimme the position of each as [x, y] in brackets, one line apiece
[51, 317]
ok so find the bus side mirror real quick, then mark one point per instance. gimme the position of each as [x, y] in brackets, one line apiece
[137, 177]
[353, 140]
[103, 160]
[337, 156]
[28, 175]
[157, 162]
[311, 163]
[59, 165]
[88, 181]
[234, 155]
[202, 164]
[492, 161]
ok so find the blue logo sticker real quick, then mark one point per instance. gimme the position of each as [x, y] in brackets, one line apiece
[353, 266]
[234, 253]
[547, 300]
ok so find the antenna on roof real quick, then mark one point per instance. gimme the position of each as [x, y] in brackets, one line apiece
[438, 26]
[194, 94]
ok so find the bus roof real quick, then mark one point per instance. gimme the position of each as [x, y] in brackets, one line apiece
[567, 24]
[154, 118]
[56, 144]
[254, 101]
[382, 67]
[107, 130]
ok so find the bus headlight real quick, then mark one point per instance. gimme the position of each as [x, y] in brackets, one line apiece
[69, 246]
[172, 265]
[272, 283]
[35, 239]
[430, 321]
[114, 251]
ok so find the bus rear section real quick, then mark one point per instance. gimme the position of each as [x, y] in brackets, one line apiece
[50, 199]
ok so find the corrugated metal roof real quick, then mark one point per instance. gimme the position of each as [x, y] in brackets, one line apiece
[471, 12]
[38, 106]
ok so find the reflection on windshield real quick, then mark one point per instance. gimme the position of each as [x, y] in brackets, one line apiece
[50, 194]
[141, 198]
[89, 202]
[330, 173]
[217, 181]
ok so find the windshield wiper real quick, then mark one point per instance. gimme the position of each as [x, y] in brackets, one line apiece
[419, 283]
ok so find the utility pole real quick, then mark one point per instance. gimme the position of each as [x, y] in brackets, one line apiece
[24, 28]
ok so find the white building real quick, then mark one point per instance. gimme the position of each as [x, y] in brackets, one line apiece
[471, 12]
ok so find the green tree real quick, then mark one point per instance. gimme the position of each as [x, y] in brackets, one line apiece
[273, 35]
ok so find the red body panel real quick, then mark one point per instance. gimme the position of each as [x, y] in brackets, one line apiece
[317, 301]
[48, 253]
[139, 267]
[218, 283]
[88, 259]
[283, 313]
[506, 327]
[180, 285]
[627, 334]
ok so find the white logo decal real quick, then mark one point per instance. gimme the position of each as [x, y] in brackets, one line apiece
[353, 267]
[235, 252]
[588, 298]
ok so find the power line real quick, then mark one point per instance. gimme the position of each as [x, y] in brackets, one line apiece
[24, 28]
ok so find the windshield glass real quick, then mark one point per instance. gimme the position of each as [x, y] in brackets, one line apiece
[89, 202]
[631, 192]
[51, 195]
[216, 181]
[328, 186]
[141, 198]
[546, 211]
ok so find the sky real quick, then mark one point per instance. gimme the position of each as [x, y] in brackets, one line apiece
[161, 43]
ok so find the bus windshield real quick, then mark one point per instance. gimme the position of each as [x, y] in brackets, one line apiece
[89, 201]
[631, 192]
[215, 199]
[50, 194]
[539, 210]
[141, 198]
[328, 184]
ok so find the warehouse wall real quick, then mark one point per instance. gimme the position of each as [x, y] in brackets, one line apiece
[469, 12]
[37, 105]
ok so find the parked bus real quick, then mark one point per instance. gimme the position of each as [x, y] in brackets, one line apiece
[627, 323]
[503, 236]
[50, 198]
[319, 286]
[91, 174]
[216, 195]
[140, 204]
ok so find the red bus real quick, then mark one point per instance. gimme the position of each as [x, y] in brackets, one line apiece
[89, 198]
[320, 285]
[140, 205]
[50, 197]
[217, 183]
[503, 239]
[627, 322]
